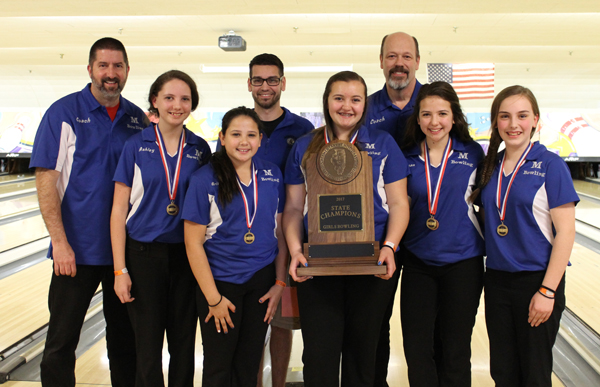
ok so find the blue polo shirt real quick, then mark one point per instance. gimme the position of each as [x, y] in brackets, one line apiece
[542, 183]
[77, 138]
[458, 236]
[389, 165]
[277, 147]
[230, 258]
[141, 168]
[382, 114]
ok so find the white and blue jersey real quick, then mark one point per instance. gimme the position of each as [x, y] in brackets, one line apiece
[459, 236]
[141, 168]
[382, 114]
[77, 138]
[542, 183]
[230, 258]
[389, 166]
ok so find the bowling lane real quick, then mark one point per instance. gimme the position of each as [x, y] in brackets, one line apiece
[20, 232]
[17, 206]
[24, 302]
[9, 189]
[9, 178]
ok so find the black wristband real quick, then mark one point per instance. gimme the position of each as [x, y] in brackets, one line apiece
[547, 288]
[388, 246]
[548, 297]
[212, 306]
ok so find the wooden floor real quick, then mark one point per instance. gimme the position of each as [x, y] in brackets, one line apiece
[24, 297]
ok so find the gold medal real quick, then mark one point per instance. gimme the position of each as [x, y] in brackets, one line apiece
[502, 230]
[172, 182]
[433, 197]
[249, 238]
[172, 209]
[432, 223]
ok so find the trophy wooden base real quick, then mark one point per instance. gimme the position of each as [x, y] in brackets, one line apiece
[351, 258]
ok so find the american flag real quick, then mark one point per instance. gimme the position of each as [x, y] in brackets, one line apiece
[470, 80]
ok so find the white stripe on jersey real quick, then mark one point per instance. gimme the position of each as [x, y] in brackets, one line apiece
[471, 210]
[275, 229]
[381, 186]
[64, 161]
[215, 218]
[137, 191]
[541, 212]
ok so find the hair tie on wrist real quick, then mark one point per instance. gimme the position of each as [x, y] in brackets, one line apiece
[212, 306]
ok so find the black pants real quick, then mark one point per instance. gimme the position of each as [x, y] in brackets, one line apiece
[233, 359]
[341, 316]
[164, 289]
[519, 354]
[449, 294]
[68, 301]
[383, 348]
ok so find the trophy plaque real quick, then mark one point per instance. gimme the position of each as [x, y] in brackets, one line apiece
[341, 230]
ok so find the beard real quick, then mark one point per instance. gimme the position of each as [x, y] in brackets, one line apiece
[266, 104]
[108, 94]
[398, 85]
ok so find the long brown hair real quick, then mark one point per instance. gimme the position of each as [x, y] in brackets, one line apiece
[318, 141]
[460, 129]
[220, 161]
[489, 163]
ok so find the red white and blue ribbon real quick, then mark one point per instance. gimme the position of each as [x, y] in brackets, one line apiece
[501, 204]
[163, 152]
[432, 200]
[249, 220]
[352, 140]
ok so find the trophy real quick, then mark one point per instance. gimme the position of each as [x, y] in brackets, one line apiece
[341, 229]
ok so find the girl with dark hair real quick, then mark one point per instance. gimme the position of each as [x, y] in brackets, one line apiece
[342, 315]
[153, 275]
[443, 245]
[236, 250]
[529, 203]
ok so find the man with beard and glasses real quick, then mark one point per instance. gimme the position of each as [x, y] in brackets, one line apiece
[388, 110]
[75, 153]
[281, 128]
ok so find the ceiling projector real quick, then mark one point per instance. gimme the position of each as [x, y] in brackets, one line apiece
[232, 42]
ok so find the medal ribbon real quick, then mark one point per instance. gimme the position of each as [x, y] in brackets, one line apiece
[248, 220]
[163, 152]
[352, 140]
[501, 204]
[433, 202]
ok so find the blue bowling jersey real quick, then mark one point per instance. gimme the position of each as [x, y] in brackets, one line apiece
[231, 259]
[141, 168]
[382, 114]
[542, 183]
[77, 138]
[458, 236]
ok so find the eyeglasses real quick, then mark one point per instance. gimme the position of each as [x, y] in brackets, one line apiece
[271, 81]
